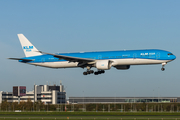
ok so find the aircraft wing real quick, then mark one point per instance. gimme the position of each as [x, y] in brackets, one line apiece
[21, 59]
[70, 59]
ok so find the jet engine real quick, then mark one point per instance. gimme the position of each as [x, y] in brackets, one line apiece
[103, 64]
[122, 67]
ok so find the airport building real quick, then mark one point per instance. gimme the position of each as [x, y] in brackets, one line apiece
[48, 94]
[88, 100]
[55, 94]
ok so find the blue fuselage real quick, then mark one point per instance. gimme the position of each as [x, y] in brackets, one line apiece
[102, 60]
[151, 54]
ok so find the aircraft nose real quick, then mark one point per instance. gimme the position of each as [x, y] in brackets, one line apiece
[173, 57]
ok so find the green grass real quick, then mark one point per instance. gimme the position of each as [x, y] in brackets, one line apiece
[93, 113]
[90, 115]
[84, 118]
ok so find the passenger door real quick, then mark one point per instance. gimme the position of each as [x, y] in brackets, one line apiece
[134, 55]
[99, 57]
[157, 55]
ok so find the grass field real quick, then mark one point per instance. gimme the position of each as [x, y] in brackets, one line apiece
[36, 113]
[90, 115]
[83, 118]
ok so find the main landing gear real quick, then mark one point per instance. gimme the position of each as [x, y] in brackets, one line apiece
[163, 64]
[95, 73]
[99, 72]
[88, 72]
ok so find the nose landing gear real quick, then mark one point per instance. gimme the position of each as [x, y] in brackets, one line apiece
[162, 69]
[163, 64]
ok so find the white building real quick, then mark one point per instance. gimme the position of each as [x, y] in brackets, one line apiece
[45, 93]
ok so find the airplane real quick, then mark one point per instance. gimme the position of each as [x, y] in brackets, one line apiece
[102, 60]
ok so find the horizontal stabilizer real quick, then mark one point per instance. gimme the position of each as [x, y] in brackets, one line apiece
[21, 59]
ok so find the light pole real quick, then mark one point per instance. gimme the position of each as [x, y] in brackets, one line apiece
[83, 101]
[73, 105]
[115, 102]
[158, 94]
[134, 95]
[153, 96]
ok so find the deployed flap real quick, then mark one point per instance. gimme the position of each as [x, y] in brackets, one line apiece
[28, 47]
[70, 59]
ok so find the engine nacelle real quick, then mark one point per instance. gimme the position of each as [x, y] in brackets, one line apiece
[103, 64]
[122, 67]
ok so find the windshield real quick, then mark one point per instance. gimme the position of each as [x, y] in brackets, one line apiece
[170, 54]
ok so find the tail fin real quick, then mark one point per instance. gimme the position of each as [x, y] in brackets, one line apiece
[28, 47]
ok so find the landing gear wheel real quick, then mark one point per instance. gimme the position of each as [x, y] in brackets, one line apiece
[162, 69]
[91, 71]
[88, 72]
[96, 73]
[102, 71]
[99, 72]
[84, 73]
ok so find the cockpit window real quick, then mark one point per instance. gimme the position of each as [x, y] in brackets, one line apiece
[170, 54]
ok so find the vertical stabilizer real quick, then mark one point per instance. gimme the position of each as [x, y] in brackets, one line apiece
[28, 48]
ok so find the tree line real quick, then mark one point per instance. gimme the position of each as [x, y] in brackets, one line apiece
[122, 107]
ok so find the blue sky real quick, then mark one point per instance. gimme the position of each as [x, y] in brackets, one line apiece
[72, 26]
